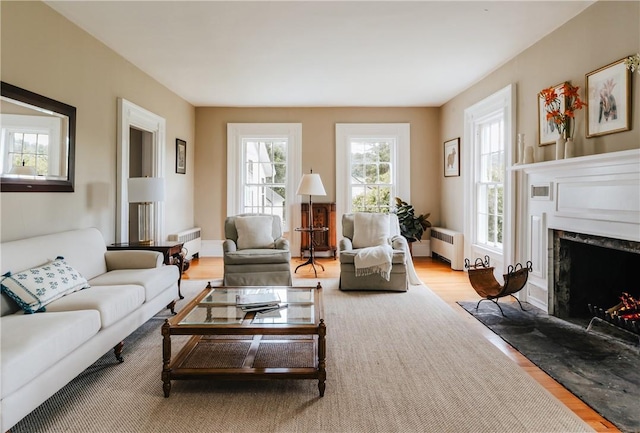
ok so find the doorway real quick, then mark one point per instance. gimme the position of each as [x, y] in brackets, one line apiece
[141, 152]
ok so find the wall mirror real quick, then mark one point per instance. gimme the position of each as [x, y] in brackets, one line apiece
[37, 142]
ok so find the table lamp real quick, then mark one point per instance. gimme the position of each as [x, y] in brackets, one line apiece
[311, 184]
[145, 191]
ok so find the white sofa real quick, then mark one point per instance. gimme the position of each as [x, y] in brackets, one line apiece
[43, 351]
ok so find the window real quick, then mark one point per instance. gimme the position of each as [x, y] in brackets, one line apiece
[29, 141]
[489, 191]
[265, 187]
[263, 168]
[490, 182]
[369, 160]
[371, 176]
[28, 149]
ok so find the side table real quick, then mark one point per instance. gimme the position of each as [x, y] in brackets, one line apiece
[311, 261]
[172, 252]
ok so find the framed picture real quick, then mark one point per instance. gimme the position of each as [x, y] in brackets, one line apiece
[547, 130]
[181, 156]
[452, 157]
[609, 99]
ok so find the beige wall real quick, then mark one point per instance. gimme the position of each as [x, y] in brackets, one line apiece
[45, 53]
[602, 34]
[318, 152]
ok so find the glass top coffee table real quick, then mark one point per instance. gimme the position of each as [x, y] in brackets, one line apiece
[228, 342]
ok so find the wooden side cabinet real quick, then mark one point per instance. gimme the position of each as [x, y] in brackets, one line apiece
[324, 215]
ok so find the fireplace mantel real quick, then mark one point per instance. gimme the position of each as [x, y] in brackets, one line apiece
[596, 195]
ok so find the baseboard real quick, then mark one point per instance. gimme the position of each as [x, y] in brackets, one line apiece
[421, 249]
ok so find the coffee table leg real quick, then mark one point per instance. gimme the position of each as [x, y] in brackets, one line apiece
[322, 355]
[166, 358]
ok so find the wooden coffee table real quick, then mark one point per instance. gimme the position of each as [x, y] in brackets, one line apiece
[228, 343]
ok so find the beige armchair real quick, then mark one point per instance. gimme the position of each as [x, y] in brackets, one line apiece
[357, 238]
[254, 251]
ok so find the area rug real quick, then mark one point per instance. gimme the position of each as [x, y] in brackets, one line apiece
[600, 369]
[396, 362]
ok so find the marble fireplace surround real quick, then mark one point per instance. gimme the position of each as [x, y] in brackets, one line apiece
[591, 199]
[591, 270]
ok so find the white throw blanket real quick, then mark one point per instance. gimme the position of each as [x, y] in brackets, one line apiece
[374, 260]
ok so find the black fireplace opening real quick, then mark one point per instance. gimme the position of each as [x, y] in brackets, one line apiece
[592, 270]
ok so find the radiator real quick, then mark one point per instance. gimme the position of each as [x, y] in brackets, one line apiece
[448, 245]
[191, 239]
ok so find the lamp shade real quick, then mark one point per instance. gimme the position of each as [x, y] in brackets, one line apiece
[311, 184]
[145, 189]
[23, 170]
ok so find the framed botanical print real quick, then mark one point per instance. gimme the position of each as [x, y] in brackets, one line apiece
[609, 99]
[548, 131]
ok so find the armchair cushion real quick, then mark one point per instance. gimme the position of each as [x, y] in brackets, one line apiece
[257, 256]
[254, 232]
[370, 229]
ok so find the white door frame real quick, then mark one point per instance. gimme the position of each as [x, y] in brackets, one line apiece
[131, 115]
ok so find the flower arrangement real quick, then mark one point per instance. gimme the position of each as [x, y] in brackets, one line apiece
[633, 62]
[552, 105]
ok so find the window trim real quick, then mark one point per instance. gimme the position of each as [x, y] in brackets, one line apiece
[236, 133]
[401, 132]
[503, 100]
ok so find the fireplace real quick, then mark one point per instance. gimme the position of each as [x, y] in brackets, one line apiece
[581, 230]
[592, 270]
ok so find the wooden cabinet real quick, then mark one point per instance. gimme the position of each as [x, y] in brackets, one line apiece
[324, 215]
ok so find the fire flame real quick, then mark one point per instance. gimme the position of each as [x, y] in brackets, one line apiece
[628, 308]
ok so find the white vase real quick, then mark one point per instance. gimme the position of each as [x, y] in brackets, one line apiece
[569, 148]
[560, 148]
[520, 149]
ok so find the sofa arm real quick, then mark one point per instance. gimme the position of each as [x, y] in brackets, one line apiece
[229, 246]
[133, 259]
[345, 244]
[282, 244]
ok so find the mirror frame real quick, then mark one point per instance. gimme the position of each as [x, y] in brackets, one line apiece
[48, 185]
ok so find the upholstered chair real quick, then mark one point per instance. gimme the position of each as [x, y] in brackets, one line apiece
[363, 231]
[254, 251]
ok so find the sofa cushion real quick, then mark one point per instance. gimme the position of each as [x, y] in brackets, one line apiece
[34, 288]
[256, 256]
[83, 249]
[154, 280]
[254, 232]
[31, 343]
[112, 302]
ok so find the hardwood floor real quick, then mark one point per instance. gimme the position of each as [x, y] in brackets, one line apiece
[451, 286]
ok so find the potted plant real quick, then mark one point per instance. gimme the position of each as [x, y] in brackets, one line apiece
[412, 227]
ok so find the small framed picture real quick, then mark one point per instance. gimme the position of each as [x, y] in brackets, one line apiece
[609, 99]
[452, 157]
[181, 156]
[548, 131]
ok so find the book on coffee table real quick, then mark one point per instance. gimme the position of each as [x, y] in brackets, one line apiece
[251, 300]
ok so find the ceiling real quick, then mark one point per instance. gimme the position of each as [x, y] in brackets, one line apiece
[318, 54]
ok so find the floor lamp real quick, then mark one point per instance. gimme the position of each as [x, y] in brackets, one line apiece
[145, 191]
[310, 185]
